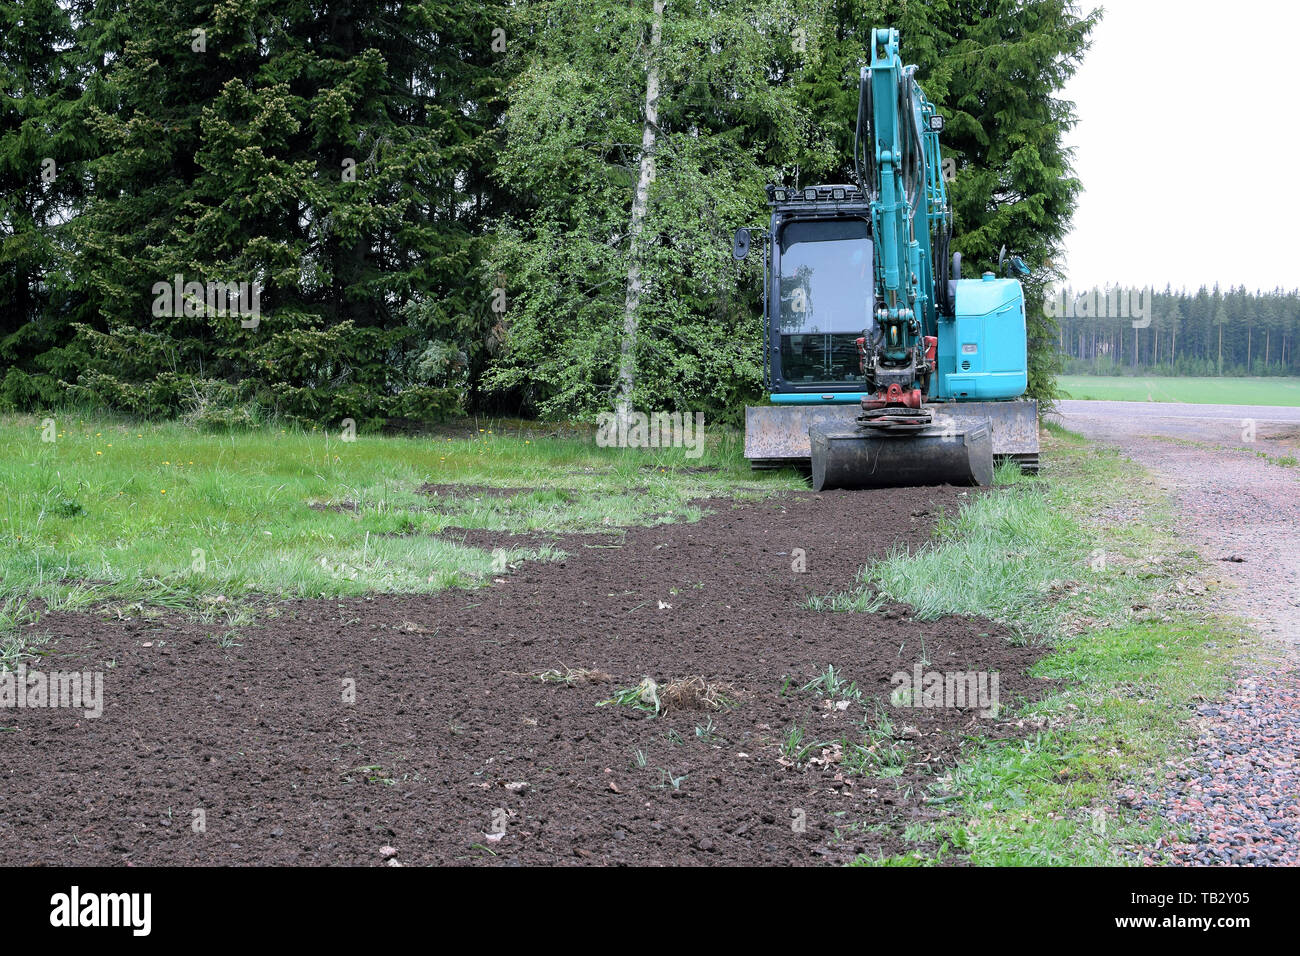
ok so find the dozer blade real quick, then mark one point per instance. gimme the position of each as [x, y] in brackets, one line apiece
[851, 457]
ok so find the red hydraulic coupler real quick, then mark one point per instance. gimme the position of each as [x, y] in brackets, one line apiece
[895, 394]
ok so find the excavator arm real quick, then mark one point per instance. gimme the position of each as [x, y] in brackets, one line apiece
[897, 158]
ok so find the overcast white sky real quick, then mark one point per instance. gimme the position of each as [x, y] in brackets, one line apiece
[1187, 144]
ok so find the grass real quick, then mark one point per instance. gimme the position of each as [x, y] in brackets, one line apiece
[1204, 390]
[166, 517]
[793, 744]
[1084, 560]
[874, 751]
[871, 751]
[1027, 556]
[160, 518]
[830, 683]
[1280, 461]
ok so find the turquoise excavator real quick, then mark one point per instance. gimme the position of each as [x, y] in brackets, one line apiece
[883, 365]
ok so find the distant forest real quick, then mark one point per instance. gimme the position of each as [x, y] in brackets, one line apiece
[1209, 332]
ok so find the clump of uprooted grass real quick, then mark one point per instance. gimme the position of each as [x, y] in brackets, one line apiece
[684, 693]
[695, 693]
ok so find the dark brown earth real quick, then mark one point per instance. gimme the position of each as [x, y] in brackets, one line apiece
[449, 734]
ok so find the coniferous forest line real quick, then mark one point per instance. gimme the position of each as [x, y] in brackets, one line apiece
[400, 210]
[1211, 331]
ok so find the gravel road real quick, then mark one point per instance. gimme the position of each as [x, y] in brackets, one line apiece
[1231, 470]
[1226, 467]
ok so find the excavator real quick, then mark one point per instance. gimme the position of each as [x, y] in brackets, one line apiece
[883, 365]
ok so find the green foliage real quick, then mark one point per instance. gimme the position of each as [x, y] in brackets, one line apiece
[335, 155]
[41, 148]
[573, 136]
[435, 197]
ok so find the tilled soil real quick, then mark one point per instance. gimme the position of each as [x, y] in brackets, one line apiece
[1234, 798]
[453, 751]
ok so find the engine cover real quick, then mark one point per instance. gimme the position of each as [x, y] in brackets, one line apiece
[982, 351]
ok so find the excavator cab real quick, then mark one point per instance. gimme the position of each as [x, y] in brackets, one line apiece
[818, 280]
[821, 270]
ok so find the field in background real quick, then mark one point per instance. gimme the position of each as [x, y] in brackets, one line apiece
[1209, 391]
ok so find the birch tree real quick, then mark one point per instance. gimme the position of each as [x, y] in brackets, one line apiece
[636, 230]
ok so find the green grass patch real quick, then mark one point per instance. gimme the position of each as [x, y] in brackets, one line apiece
[1083, 559]
[1208, 390]
[1028, 555]
[166, 516]
[1049, 799]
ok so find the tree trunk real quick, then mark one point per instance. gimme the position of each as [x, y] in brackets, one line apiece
[640, 202]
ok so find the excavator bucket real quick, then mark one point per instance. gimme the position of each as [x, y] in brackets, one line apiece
[852, 457]
[777, 436]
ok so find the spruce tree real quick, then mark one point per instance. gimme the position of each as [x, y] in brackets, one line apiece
[331, 155]
[42, 146]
